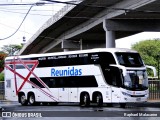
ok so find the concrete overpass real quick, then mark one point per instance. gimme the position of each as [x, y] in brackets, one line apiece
[94, 23]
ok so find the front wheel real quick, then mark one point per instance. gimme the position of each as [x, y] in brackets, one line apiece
[85, 100]
[23, 100]
[31, 99]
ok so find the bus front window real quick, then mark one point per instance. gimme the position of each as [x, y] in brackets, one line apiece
[136, 80]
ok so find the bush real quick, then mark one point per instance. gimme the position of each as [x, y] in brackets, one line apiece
[1, 76]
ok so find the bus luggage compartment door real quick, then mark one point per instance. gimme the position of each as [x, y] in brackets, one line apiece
[10, 91]
[73, 95]
[63, 94]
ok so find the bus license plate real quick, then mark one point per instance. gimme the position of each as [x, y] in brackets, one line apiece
[138, 99]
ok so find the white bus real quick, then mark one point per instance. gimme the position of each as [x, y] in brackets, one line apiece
[107, 75]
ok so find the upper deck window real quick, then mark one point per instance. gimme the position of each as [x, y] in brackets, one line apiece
[107, 58]
[129, 59]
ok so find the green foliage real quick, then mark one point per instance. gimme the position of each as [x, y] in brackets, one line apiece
[2, 57]
[1, 76]
[8, 50]
[149, 51]
[11, 49]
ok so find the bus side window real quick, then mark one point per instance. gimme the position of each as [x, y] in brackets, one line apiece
[108, 76]
[52, 83]
[107, 58]
[113, 76]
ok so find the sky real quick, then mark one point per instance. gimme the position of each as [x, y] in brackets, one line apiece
[127, 42]
[12, 16]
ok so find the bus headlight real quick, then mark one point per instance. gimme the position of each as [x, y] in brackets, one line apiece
[126, 94]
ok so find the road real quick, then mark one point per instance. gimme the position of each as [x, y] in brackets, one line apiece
[65, 111]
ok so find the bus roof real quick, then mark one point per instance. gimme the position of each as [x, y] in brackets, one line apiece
[112, 50]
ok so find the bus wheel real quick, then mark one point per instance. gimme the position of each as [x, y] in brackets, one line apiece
[85, 100]
[23, 99]
[99, 100]
[122, 105]
[31, 99]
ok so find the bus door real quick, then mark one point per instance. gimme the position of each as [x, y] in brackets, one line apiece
[116, 84]
[114, 79]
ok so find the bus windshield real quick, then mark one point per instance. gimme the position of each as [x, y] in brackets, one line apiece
[136, 80]
[129, 59]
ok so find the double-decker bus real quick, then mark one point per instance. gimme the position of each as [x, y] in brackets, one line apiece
[104, 75]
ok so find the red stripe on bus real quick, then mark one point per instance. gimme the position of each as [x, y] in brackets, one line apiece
[26, 79]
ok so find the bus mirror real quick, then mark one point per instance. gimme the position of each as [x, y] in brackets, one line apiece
[153, 69]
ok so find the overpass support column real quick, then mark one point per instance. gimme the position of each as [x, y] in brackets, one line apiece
[110, 36]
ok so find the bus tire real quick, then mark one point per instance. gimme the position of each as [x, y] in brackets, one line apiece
[23, 100]
[85, 100]
[99, 100]
[31, 99]
[122, 105]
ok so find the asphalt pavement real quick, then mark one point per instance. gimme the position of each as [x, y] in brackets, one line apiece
[72, 111]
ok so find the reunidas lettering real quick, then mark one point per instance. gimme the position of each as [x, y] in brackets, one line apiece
[71, 71]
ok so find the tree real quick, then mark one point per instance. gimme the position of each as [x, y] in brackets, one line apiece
[1, 76]
[149, 51]
[2, 57]
[8, 50]
[11, 49]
